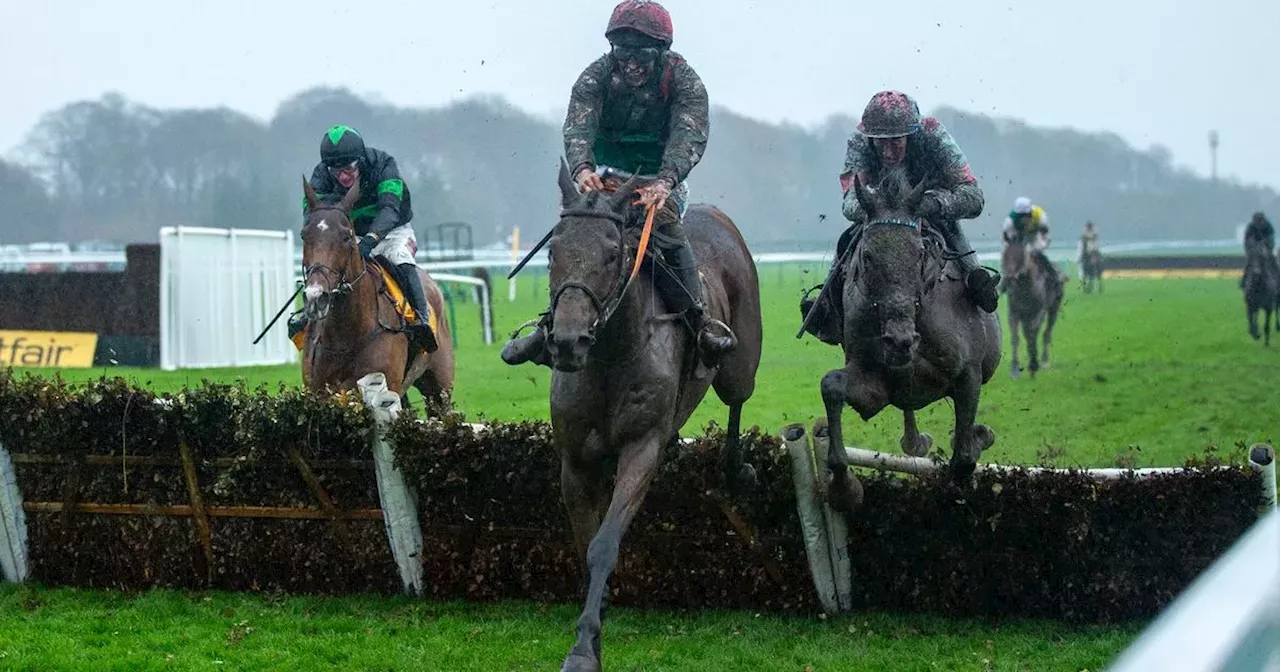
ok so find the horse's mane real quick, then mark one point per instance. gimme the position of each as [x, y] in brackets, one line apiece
[893, 188]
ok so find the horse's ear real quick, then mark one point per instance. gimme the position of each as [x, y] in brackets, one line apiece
[349, 201]
[568, 190]
[916, 195]
[309, 193]
[622, 197]
[865, 197]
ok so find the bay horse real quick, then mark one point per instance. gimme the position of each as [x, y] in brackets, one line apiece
[353, 328]
[911, 336]
[1033, 302]
[627, 375]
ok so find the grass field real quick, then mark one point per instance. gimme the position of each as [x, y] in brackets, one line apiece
[65, 629]
[1155, 370]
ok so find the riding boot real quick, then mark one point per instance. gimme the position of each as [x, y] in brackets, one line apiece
[420, 326]
[531, 348]
[681, 260]
[979, 285]
[298, 323]
[827, 323]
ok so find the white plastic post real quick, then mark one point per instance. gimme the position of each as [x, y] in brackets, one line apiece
[813, 524]
[13, 524]
[837, 526]
[1262, 458]
[399, 501]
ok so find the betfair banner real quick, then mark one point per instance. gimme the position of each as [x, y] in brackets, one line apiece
[67, 350]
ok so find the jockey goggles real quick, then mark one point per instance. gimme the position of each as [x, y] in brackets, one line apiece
[640, 55]
[345, 166]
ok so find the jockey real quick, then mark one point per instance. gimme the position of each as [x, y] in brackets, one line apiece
[1260, 241]
[892, 133]
[1030, 222]
[642, 110]
[1088, 245]
[381, 217]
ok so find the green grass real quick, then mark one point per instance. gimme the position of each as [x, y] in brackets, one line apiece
[66, 629]
[1162, 366]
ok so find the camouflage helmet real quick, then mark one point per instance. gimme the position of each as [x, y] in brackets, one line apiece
[890, 114]
[643, 16]
[340, 146]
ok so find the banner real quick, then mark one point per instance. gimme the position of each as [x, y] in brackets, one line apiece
[67, 350]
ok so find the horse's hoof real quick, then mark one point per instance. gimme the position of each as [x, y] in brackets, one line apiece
[746, 479]
[920, 447]
[846, 500]
[962, 469]
[580, 662]
[984, 437]
[1015, 373]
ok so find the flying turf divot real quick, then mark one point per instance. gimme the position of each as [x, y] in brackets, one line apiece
[13, 524]
[399, 501]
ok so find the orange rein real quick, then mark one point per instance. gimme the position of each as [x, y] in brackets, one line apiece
[649, 211]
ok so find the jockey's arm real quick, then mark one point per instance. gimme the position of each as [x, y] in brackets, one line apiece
[959, 195]
[390, 193]
[582, 119]
[690, 124]
[853, 166]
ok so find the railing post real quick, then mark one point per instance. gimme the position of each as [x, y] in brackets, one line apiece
[14, 564]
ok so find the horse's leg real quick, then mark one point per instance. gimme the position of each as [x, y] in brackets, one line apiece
[637, 465]
[1252, 312]
[969, 439]
[1266, 326]
[914, 442]
[1030, 332]
[845, 494]
[1015, 370]
[738, 475]
[1050, 320]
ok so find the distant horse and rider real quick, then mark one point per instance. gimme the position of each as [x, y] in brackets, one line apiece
[1261, 278]
[1034, 286]
[1089, 260]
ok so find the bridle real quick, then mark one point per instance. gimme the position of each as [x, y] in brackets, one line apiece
[343, 286]
[604, 308]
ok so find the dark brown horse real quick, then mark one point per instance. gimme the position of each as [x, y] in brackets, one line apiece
[353, 327]
[1261, 291]
[627, 374]
[1034, 301]
[911, 336]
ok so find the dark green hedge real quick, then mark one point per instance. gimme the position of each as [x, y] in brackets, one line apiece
[1055, 545]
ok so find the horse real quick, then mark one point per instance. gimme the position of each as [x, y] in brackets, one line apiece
[1261, 293]
[353, 326]
[626, 377]
[1034, 301]
[1091, 271]
[911, 336]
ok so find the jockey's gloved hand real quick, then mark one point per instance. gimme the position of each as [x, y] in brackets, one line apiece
[929, 206]
[367, 242]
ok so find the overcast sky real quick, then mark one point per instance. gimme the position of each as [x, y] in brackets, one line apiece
[1154, 72]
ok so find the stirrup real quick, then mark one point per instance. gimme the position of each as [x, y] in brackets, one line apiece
[705, 337]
